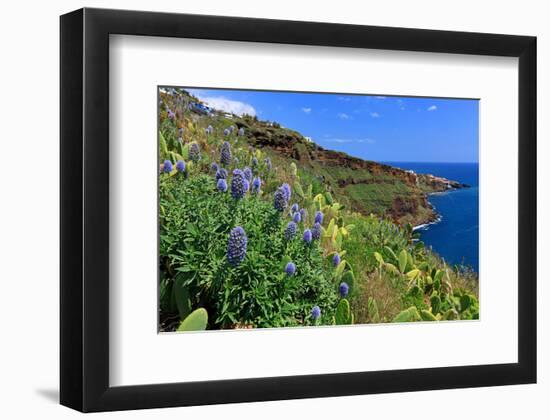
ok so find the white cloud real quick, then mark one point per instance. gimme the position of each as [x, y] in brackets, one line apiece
[343, 116]
[227, 105]
[432, 108]
[375, 115]
[306, 110]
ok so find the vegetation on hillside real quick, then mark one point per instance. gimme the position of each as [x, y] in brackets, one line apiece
[254, 233]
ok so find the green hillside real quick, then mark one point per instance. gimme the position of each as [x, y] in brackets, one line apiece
[364, 263]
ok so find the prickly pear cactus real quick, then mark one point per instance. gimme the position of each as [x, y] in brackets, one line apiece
[408, 315]
[435, 302]
[195, 321]
[427, 315]
[343, 314]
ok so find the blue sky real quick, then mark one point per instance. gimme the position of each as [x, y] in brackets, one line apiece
[380, 128]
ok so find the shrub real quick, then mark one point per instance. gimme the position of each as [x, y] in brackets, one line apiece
[253, 285]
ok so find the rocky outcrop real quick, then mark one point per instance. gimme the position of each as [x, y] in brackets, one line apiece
[339, 171]
[438, 184]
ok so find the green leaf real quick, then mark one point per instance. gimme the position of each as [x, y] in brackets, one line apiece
[379, 258]
[427, 315]
[435, 301]
[162, 145]
[320, 200]
[330, 228]
[390, 251]
[402, 261]
[408, 315]
[391, 268]
[343, 313]
[340, 269]
[309, 191]
[298, 189]
[195, 321]
[184, 151]
[349, 278]
[465, 302]
[181, 296]
[450, 314]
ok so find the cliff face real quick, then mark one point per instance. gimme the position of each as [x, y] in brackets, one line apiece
[361, 185]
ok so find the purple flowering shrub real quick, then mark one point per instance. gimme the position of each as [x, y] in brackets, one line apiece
[214, 248]
[232, 229]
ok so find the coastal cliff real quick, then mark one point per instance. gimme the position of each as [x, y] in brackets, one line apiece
[363, 186]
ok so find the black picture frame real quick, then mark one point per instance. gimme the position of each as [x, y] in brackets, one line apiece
[84, 298]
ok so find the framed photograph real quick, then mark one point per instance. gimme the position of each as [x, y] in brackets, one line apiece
[257, 210]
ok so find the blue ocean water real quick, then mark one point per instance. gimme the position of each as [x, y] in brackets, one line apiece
[456, 236]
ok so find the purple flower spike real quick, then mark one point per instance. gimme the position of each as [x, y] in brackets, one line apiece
[180, 166]
[336, 259]
[222, 185]
[290, 231]
[195, 152]
[287, 191]
[167, 167]
[256, 185]
[316, 231]
[221, 173]
[296, 218]
[344, 289]
[307, 236]
[225, 154]
[279, 199]
[239, 185]
[247, 174]
[236, 246]
[319, 217]
[316, 312]
[290, 269]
